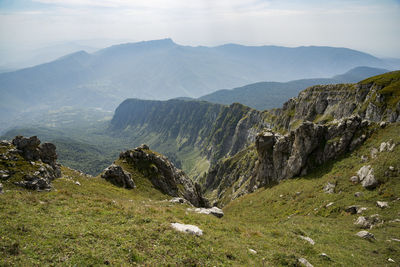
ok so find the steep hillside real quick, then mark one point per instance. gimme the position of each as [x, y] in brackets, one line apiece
[162, 69]
[268, 95]
[90, 221]
[207, 131]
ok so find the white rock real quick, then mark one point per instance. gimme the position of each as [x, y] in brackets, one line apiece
[374, 152]
[252, 251]
[329, 204]
[362, 222]
[1, 188]
[187, 228]
[366, 176]
[391, 168]
[325, 256]
[214, 211]
[357, 194]
[365, 235]
[382, 204]
[395, 239]
[77, 183]
[354, 179]
[305, 262]
[390, 260]
[361, 210]
[309, 240]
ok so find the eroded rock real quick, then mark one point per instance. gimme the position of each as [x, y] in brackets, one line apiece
[217, 212]
[367, 177]
[117, 176]
[366, 235]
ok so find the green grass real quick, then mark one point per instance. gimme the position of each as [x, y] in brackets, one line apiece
[97, 223]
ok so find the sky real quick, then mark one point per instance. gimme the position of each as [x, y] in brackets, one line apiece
[370, 26]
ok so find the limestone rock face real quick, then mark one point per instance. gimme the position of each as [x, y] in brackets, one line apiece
[286, 156]
[117, 176]
[164, 175]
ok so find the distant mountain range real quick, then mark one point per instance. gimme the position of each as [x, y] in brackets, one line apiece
[267, 95]
[161, 70]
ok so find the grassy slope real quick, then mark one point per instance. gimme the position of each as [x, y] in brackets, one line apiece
[98, 223]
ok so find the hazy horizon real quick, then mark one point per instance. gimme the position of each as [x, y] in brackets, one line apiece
[368, 26]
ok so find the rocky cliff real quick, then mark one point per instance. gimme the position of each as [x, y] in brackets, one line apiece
[215, 130]
[375, 99]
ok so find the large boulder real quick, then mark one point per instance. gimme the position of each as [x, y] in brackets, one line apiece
[367, 177]
[117, 176]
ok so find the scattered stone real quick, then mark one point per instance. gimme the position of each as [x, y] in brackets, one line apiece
[1, 188]
[329, 188]
[391, 168]
[361, 210]
[382, 204]
[214, 211]
[352, 209]
[325, 256]
[117, 176]
[252, 251]
[281, 195]
[382, 124]
[354, 179]
[35, 183]
[329, 204]
[364, 158]
[187, 228]
[365, 235]
[178, 200]
[77, 183]
[367, 178]
[387, 146]
[309, 240]
[395, 239]
[362, 222]
[305, 262]
[358, 194]
[390, 260]
[374, 152]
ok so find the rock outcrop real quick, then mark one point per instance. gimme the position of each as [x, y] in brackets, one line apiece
[117, 176]
[164, 175]
[295, 154]
[37, 166]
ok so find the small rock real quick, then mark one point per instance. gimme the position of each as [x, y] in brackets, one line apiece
[217, 212]
[178, 200]
[382, 204]
[77, 183]
[1, 188]
[358, 194]
[354, 179]
[352, 209]
[390, 260]
[326, 257]
[187, 228]
[361, 210]
[364, 158]
[382, 124]
[395, 239]
[367, 178]
[391, 168]
[305, 262]
[329, 188]
[280, 195]
[309, 240]
[365, 235]
[374, 152]
[329, 204]
[252, 251]
[362, 222]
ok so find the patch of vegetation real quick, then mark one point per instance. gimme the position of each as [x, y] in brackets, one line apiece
[97, 223]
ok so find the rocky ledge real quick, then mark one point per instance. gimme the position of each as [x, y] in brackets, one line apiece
[164, 175]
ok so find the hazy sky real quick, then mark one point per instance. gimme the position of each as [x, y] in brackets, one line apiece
[368, 25]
